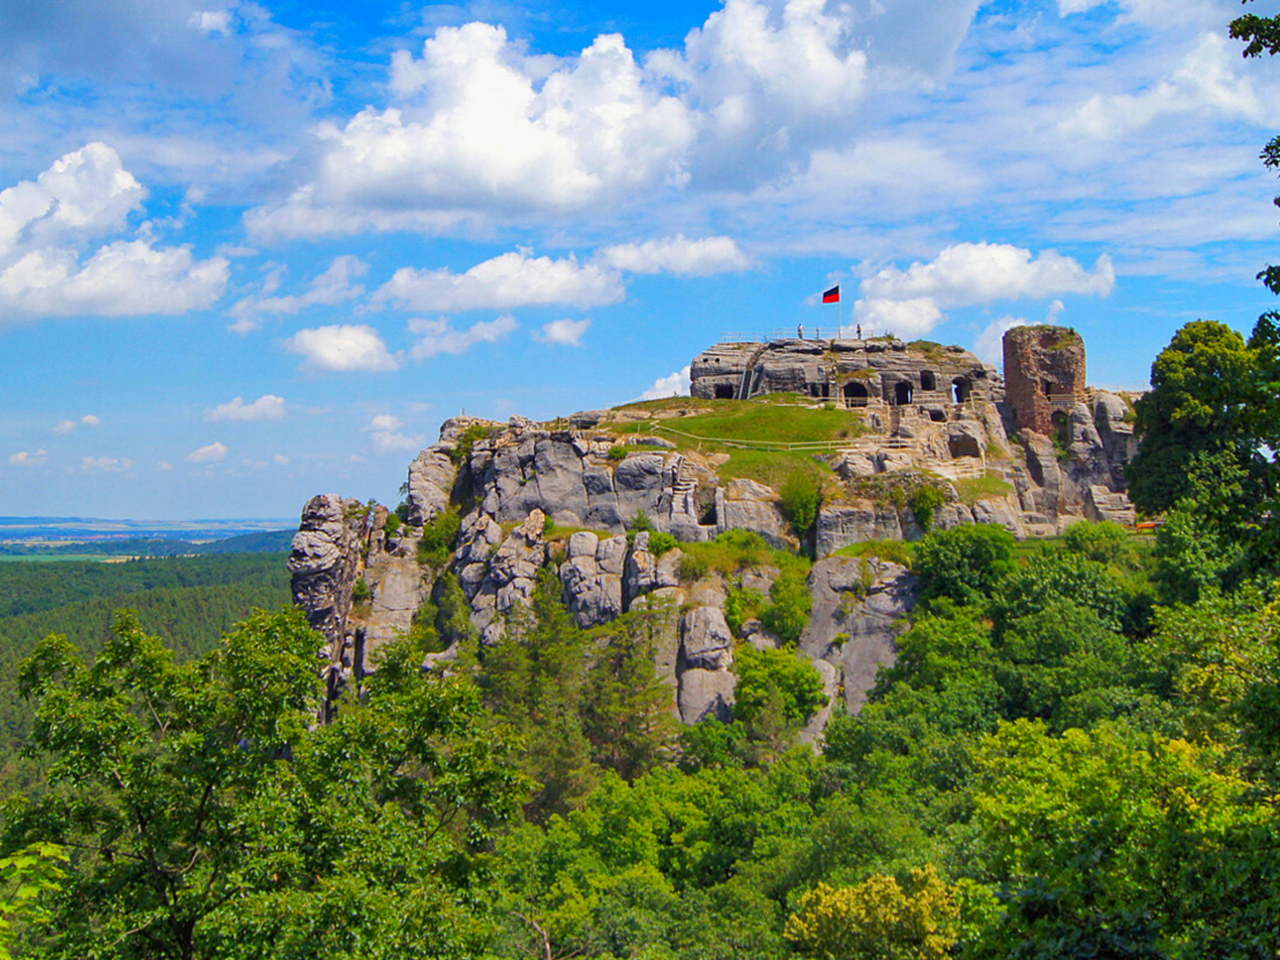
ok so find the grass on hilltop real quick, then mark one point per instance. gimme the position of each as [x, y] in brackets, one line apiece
[779, 420]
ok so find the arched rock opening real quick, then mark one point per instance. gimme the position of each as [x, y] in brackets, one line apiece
[855, 394]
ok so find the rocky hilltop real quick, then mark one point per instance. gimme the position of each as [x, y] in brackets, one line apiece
[615, 503]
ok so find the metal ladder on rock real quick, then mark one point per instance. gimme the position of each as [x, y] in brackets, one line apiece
[748, 386]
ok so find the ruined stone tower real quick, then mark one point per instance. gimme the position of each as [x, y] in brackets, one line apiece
[1044, 375]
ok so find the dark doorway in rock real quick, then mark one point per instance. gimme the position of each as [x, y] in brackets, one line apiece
[928, 381]
[855, 394]
[963, 445]
[902, 393]
[724, 391]
[960, 388]
[938, 415]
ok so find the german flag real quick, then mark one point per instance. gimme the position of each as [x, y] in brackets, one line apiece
[832, 295]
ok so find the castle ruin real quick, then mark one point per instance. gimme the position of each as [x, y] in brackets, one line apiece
[855, 373]
[1044, 375]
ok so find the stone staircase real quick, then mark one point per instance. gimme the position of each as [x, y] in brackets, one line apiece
[962, 468]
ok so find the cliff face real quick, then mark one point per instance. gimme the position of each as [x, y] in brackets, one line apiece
[529, 497]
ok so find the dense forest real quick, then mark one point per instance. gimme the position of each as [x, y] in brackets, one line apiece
[194, 601]
[275, 541]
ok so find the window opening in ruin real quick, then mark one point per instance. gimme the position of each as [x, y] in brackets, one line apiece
[960, 390]
[1048, 388]
[724, 391]
[927, 380]
[855, 394]
[901, 393]
[938, 416]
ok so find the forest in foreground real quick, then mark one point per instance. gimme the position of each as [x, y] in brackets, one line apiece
[1075, 755]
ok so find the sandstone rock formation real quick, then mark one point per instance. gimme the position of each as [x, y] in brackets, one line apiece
[853, 372]
[938, 423]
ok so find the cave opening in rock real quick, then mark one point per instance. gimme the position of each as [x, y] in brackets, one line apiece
[927, 380]
[960, 388]
[724, 391]
[964, 445]
[902, 393]
[855, 394]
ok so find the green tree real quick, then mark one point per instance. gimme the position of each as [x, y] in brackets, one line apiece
[964, 564]
[879, 919]
[1105, 542]
[209, 815]
[28, 878]
[534, 680]
[801, 496]
[1196, 404]
[785, 673]
[629, 712]
[1108, 849]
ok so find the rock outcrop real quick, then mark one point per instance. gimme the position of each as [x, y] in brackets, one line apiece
[935, 445]
[853, 372]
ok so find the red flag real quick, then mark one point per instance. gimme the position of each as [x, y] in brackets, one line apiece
[832, 295]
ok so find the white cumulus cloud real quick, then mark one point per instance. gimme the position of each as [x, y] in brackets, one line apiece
[766, 80]
[211, 21]
[269, 407]
[85, 194]
[478, 130]
[45, 223]
[905, 318]
[213, 453]
[342, 348]
[387, 438]
[566, 333]
[675, 385]
[477, 126]
[25, 459]
[677, 255]
[973, 273]
[515, 279]
[63, 427]
[439, 336]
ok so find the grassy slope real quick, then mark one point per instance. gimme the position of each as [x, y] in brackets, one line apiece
[776, 421]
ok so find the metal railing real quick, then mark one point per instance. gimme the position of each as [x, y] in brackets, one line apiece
[799, 333]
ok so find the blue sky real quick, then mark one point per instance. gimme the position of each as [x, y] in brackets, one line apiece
[253, 252]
